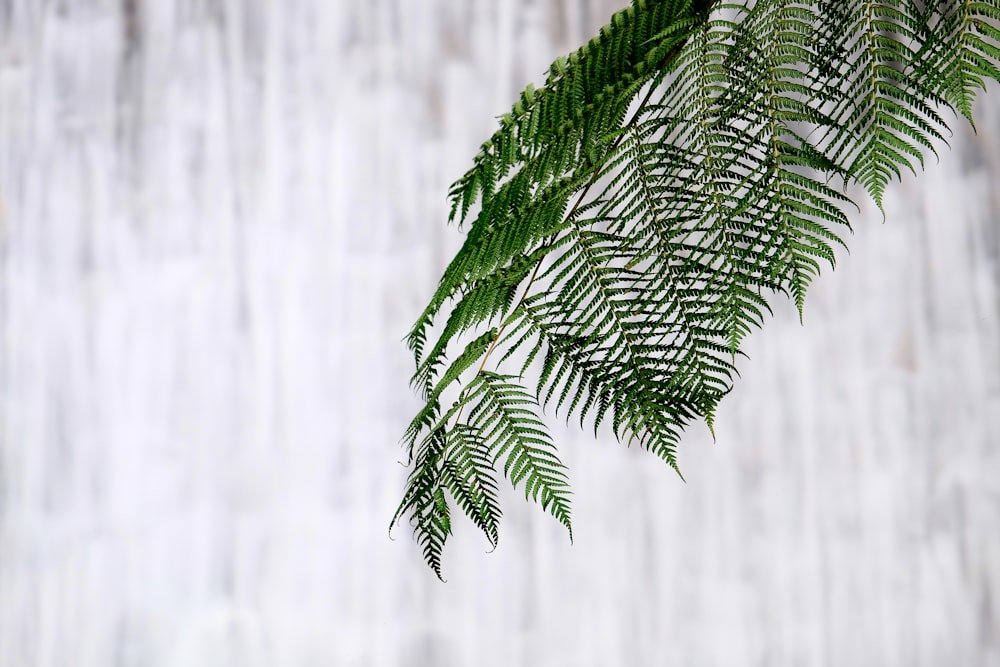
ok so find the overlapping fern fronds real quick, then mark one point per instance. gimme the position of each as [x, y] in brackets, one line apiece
[671, 172]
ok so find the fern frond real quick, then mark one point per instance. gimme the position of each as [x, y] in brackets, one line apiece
[468, 474]
[960, 50]
[424, 498]
[515, 432]
[671, 172]
[556, 136]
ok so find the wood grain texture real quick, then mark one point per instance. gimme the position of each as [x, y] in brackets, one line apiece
[219, 218]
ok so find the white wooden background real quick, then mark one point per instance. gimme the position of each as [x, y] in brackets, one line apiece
[219, 218]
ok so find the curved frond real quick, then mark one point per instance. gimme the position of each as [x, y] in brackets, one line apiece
[631, 219]
[505, 418]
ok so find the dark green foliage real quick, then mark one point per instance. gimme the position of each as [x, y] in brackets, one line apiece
[670, 174]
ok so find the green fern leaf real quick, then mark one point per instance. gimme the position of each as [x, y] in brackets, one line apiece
[469, 477]
[516, 434]
[671, 175]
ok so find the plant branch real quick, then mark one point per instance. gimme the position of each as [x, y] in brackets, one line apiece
[593, 179]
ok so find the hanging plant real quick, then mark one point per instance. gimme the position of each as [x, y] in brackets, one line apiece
[628, 218]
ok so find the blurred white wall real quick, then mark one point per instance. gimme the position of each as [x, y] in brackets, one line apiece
[220, 217]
